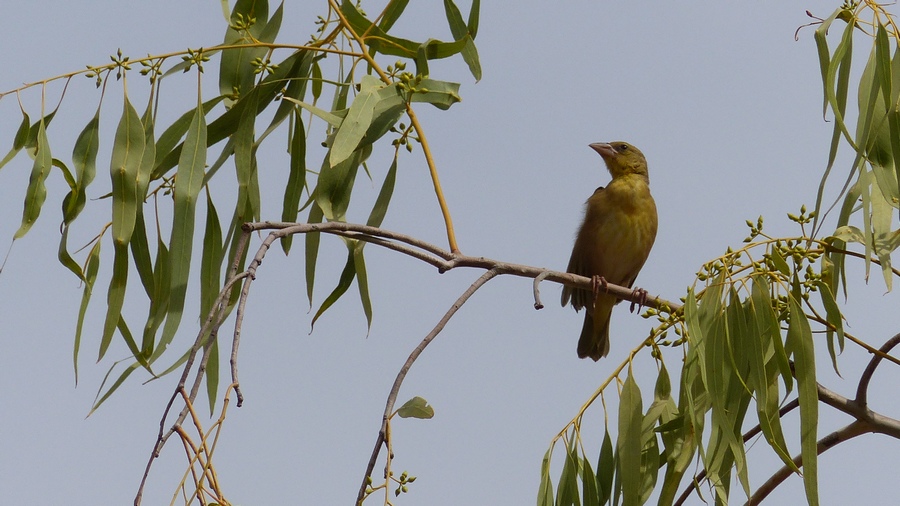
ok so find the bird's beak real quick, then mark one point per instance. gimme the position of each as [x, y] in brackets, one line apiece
[605, 150]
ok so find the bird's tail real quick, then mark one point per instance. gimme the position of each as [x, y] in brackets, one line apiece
[594, 340]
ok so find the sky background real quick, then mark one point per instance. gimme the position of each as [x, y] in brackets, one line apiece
[722, 100]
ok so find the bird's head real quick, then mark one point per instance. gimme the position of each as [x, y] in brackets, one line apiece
[621, 158]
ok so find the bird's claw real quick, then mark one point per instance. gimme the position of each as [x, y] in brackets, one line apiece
[598, 282]
[638, 298]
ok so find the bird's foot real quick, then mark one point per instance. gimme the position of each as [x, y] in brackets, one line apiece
[638, 298]
[598, 283]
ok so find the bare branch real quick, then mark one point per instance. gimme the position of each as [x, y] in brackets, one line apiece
[395, 389]
[855, 428]
[862, 391]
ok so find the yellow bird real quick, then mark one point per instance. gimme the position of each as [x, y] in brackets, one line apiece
[613, 242]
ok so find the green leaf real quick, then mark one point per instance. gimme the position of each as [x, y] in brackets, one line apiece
[121, 379]
[244, 156]
[115, 296]
[379, 210]
[390, 107]
[296, 90]
[460, 31]
[441, 94]
[567, 493]
[212, 375]
[333, 118]
[125, 163]
[835, 319]
[167, 147]
[189, 180]
[545, 490]
[84, 159]
[296, 182]
[148, 159]
[159, 300]
[756, 344]
[800, 344]
[90, 275]
[357, 121]
[36, 193]
[416, 407]
[346, 278]
[335, 184]
[211, 260]
[312, 251]
[766, 323]
[629, 443]
[391, 14]
[140, 251]
[62, 253]
[606, 469]
[362, 281]
[235, 70]
[589, 494]
[19, 141]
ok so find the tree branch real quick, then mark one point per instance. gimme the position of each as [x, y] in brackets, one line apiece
[395, 389]
[862, 391]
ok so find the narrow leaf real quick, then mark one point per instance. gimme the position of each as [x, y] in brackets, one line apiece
[90, 275]
[629, 444]
[36, 193]
[296, 182]
[84, 159]
[115, 297]
[346, 278]
[800, 343]
[188, 183]
[127, 151]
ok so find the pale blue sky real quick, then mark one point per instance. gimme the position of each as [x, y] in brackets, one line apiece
[721, 99]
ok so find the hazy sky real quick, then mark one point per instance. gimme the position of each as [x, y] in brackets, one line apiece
[718, 95]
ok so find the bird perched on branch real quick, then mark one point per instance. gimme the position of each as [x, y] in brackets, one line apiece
[613, 242]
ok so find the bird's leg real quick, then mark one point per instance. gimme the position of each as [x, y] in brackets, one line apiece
[639, 298]
[598, 282]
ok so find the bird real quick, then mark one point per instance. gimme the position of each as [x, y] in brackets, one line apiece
[614, 241]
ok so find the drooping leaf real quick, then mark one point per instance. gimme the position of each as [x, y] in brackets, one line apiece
[606, 469]
[211, 259]
[800, 345]
[629, 443]
[235, 71]
[362, 281]
[379, 210]
[125, 162]
[90, 275]
[460, 31]
[84, 159]
[567, 492]
[115, 296]
[244, 155]
[312, 250]
[344, 282]
[189, 180]
[19, 140]
[36, 193]
[356, 123]
[545, 490]
[296, 182]
[392, 13]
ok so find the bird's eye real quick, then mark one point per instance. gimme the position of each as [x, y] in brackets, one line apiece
[623, 147]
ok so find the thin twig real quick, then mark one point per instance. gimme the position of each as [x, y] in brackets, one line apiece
[213, 321]
[395, 389]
